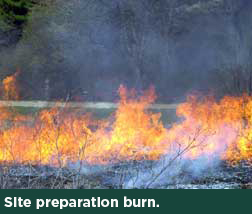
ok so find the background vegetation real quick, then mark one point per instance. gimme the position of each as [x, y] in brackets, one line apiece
[15, 12]
[85, 49]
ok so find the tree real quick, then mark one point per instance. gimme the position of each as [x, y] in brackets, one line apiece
[15, 12]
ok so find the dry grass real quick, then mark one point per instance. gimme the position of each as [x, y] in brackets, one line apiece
[44, 177]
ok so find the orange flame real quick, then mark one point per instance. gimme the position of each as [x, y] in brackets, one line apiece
[60, 135]
[10, 86]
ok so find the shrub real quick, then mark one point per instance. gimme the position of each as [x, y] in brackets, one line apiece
[15, 12]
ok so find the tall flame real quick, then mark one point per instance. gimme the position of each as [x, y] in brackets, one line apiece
[60, 135]
[10, 86]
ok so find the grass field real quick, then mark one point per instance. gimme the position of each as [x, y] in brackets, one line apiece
[99, 110]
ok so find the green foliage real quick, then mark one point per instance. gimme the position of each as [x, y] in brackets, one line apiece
[15, 12]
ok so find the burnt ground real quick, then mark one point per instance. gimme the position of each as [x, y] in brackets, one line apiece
[224, 177]
[113, 177]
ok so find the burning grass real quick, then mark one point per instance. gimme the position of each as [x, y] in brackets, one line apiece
[61, 136]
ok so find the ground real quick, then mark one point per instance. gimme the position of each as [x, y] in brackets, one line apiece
[108, 177]
[117, 175]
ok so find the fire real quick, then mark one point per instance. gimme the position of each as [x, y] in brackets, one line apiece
[10, 87]
[135, 133]
[226, 126]
[60, 135]
[10, 92]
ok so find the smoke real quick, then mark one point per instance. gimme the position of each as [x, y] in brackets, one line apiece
[176, 167]
[181, 171]
[94, 46]
[151, 174]
[131, 43]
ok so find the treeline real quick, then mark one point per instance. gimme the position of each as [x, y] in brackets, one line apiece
[87, 48]
[15, 12]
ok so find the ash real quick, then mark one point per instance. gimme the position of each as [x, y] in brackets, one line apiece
[224, 177]
[117, 176]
